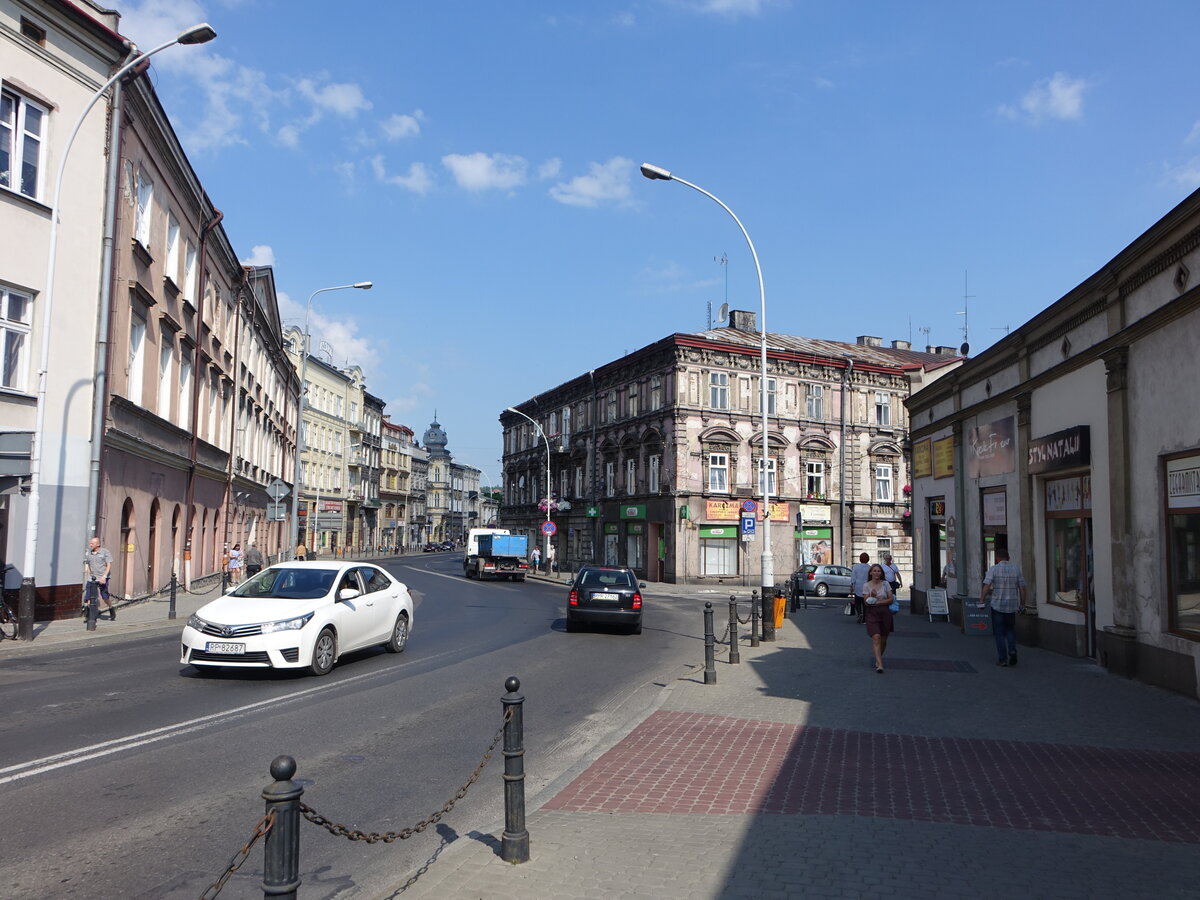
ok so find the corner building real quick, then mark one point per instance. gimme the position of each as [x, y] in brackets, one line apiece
[652, 456]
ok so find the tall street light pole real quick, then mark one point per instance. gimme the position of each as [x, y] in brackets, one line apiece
[768, 558]
[197, 34]
[297, 475]
[545, 531]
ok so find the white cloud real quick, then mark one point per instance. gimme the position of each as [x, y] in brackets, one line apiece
[550, 168]
[260, 255]
[728, 8]
[418, 179]
[624, 20]
[335, 340]
[397, 127]
[1058, 97]
[823, 83]
[345, 100]
[605, 183]
[1186, 175]
[1193, 135]
[672, 278]
[481, 171]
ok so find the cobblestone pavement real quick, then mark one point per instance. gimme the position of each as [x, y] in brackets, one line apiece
[802, 772]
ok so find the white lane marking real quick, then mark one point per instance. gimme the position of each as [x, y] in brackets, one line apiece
[23, 770]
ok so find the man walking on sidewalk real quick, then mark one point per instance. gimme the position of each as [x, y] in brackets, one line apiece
[858, 578]
[1004, 585]
[97, 565]
[254, 560]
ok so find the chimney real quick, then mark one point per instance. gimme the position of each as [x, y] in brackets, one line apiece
[740, 320]
[901, 345]
[867, 340]
[946, 351]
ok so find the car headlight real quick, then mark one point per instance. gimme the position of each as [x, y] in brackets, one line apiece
[286, 624]
[194, 621]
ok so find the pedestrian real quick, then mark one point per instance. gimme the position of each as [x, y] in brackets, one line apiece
[552, 558]
[535, 558]
[1004, 587]
[254, 560]
[858, 577]
[877, 596]
[235, 563]
[301, 553]
[891, 573]
[97, 566]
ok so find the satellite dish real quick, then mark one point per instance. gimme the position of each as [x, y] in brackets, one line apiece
[723, 312]
[964, 349]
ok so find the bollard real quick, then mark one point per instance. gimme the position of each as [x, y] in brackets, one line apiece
[281, 848]
[767, 616]
[514, 843]
[710, 670]
[174, 586]
[93, 604]
[224, 581]
[734, 655]
[754, 618]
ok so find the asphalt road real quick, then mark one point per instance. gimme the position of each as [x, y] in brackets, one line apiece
[125, 774]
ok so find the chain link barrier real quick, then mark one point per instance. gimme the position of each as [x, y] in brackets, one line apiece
[260, 831]
[387, 837]
[724, 638]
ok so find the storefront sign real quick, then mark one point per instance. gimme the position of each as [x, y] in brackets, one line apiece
[922, 459]
[612, 528]
[731, 511]
[815, 512]
[635, 528]
[1061, 450]
[995, 509]
[937, 509]
[634, 511]
[943, 458]
[331, 506]
[1069, 494]
[1183, 483]
[993, 448]
[718, 531]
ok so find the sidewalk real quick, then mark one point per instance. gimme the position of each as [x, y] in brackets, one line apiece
[802, 772]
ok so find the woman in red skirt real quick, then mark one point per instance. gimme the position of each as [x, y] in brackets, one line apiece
[877, 594]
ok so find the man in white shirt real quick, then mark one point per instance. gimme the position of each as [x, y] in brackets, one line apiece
[859, 575]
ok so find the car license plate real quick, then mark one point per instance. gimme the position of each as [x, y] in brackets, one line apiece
[222, 647]
[603, 595]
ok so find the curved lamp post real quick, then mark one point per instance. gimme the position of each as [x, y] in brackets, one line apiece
[546, 553]
[657, 173]
[197, 34]
[297, 478]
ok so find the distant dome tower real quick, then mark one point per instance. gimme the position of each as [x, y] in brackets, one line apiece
[436, 440]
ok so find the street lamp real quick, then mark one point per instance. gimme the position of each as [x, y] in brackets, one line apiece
[545, 531]
[657, 173]
[297, 479]
[197, 34]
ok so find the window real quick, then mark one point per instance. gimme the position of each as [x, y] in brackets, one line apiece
[718, 390]
[883, 482]
[631, 476]
[579, 481]
[610, 479]
[771, 389]
[16, 311]
[164, 378]
[562, 483]
[652, 474]
[145, 199]
[814, 478]
[189, 273]
[172, 265]
[566, 425]
[883, 408]
[633, 401]
[718, 557]
[770, 475]
[814, 397]
[22, 124]
[1183, 544]
[611, 407]
[718, 473]
[137, 358]
[185, 391]
[656, 392]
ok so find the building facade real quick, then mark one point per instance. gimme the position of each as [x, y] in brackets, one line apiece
[395, 484]
[1067, 445]
[653, 456]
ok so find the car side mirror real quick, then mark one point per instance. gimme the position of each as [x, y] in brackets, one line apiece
[348, 594]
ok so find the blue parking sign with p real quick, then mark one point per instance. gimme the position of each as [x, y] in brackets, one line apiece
[748, 524]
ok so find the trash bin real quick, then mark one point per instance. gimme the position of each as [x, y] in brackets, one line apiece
[780, 608]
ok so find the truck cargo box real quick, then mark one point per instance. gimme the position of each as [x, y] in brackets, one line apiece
[493, 545]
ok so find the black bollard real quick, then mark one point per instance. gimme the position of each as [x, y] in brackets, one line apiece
[93, 603]
[754, 618]
[514, 843]
[710, 640]
[281, 847]
[735, 655]
[174, 586]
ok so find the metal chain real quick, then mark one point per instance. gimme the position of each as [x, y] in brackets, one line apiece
[260, 830]
[374, 837]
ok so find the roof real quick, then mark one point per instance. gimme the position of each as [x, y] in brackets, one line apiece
[826, 349]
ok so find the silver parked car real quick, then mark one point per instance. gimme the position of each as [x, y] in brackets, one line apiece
[823, 580]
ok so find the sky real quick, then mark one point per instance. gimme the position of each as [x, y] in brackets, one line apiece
[894, 164]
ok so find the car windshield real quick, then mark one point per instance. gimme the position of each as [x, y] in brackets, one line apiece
[807, 569]
[605, 578]
[287, 583]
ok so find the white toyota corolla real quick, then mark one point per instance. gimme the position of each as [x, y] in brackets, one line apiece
[300, 614]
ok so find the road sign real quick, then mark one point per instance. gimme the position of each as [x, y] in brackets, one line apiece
[277, 490]
[276, 512]
[548, 528]
[748, 525]
[749, 506]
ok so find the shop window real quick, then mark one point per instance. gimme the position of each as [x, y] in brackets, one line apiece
[1069, 541]
[718, 556]
[1183, 545]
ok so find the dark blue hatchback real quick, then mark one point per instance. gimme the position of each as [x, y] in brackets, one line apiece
[605, 595]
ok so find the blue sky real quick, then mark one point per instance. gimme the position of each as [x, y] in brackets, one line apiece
[479, 162]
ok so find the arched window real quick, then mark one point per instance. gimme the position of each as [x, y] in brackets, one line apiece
[124, 554]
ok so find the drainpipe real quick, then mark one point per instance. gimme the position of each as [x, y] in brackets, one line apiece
[846, 375]
[104, 319]
[202, 284]
[233, 424]
[595, 499]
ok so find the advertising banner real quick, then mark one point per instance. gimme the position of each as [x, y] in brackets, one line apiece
[993, 448]
[922, 457]
[943, 458]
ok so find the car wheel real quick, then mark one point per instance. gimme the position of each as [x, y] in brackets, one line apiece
[324, 653]
[399, 638]
[637, 629]
[572, 625]
[822, 590]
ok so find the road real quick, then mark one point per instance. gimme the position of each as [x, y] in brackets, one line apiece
[127, 775]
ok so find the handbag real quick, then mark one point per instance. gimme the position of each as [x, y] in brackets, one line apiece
[849, 608]
[894, 606]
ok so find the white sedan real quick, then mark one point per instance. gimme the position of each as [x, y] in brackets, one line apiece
[300, 615]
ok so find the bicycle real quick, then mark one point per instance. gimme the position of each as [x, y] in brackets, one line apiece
[8, 621]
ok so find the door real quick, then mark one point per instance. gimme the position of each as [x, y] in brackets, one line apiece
[355, 618]
[612, 549]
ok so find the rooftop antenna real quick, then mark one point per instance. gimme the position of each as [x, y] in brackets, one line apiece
[966, 345]
[1005, 328]
[925, 329]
